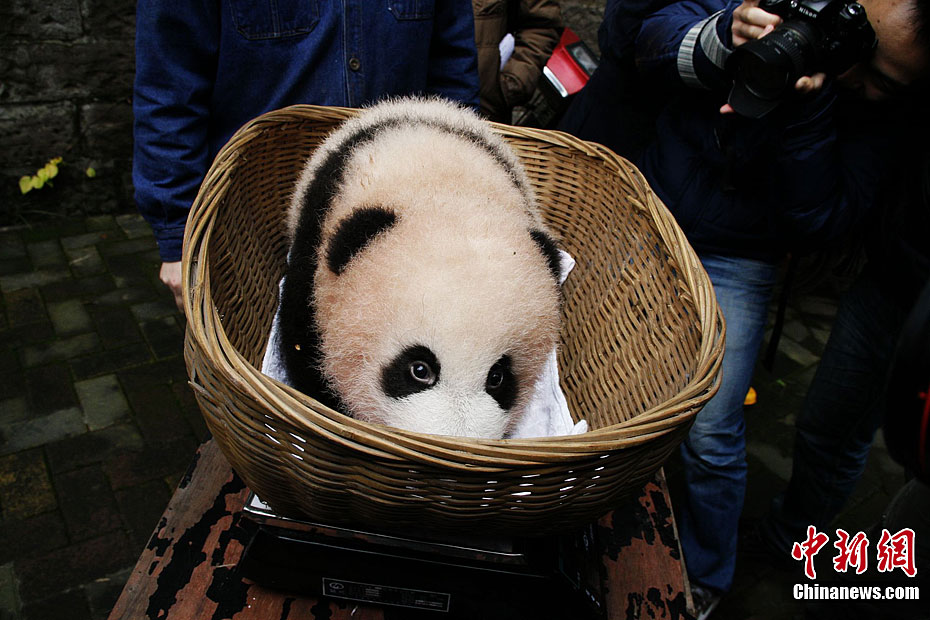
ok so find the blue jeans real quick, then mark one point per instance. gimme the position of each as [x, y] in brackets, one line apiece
[714, 452]
[841, 412]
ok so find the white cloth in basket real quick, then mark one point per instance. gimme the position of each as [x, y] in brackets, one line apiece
[547, 415]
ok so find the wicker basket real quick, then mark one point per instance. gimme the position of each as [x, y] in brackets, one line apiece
[642, 341]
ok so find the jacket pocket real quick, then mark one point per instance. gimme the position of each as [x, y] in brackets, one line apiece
[273, 19]
[412, 9]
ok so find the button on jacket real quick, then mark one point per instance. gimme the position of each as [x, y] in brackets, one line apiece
[203, 69]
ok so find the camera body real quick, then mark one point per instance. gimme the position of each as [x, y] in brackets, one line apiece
[845, 32]
[828, 36]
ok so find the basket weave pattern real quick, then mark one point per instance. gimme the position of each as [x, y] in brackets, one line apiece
[641, 346]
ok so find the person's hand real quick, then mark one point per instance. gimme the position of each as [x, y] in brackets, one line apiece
[750, 22]
[810, 83]
[170, 274]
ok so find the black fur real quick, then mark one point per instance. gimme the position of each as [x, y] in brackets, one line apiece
[354, 233]
[550, 250]
[300, 341]
[506, 393]
[396, 380]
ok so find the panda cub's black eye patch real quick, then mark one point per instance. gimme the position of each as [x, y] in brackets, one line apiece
[354, 232]
[415, 369]
[501, 383]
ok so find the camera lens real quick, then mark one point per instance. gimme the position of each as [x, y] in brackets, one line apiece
[765, 69]
[762, 78]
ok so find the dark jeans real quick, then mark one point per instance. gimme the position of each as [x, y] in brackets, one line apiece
[841, 412]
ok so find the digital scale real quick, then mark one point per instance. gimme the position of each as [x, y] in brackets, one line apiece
[424, 576]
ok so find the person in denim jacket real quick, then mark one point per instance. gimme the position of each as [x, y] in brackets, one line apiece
[203, 69]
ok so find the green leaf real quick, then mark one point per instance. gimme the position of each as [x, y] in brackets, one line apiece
[25, 184]
[51, 170]
[90, 172]
[37, 182]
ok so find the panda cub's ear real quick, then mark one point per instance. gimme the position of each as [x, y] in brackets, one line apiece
[354, 232]
[551, 251]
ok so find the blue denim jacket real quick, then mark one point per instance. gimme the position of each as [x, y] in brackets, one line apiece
[204, 68]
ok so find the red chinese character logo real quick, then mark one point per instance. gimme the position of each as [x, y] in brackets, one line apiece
[897, 551]
[808, 549]
[852, 553]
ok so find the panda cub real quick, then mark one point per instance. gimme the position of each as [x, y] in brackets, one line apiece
[421, 289]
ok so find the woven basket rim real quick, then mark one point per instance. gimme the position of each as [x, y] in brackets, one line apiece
[303, 411]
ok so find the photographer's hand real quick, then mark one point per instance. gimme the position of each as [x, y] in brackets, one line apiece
[810, 83]
[750, 22]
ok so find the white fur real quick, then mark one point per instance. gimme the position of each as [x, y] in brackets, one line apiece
[458, 273]
[413, 110]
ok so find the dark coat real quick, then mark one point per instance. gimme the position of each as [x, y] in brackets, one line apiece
[796, 179]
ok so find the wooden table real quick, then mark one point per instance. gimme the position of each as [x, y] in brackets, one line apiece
[188, 569]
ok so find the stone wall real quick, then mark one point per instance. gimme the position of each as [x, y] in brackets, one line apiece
[66, 71]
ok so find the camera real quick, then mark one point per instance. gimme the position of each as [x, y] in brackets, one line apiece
[828, 36]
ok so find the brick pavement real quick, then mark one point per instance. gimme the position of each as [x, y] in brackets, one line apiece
[97, 424]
